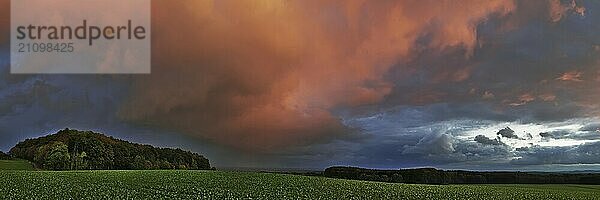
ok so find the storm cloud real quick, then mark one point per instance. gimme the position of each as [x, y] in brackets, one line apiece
[276, 83]
[507, 133]
[588, 153]
[485, 140]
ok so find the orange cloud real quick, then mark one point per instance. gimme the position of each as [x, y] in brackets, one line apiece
[547, 97]
[571, 76]
[523, 99]
[265, 74]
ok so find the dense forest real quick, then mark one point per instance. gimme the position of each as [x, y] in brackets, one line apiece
[86, 150]
[434, 176]
[4, 156]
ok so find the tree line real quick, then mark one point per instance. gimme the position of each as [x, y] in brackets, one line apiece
[434, 176]
[4, 156]
[87, 150]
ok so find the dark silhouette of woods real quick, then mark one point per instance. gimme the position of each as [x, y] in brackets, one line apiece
[86, 150]
[4, 156]
[434, 176]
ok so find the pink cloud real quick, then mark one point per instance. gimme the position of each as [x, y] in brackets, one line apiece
[574, 76]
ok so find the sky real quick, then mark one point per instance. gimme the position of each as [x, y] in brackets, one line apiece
[469, 84]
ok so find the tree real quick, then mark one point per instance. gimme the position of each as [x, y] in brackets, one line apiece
[53, 156]
[80, 161]
[4, 156]
[138, 163]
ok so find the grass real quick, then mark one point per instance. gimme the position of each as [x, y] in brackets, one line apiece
[15, 165]
[248, 185]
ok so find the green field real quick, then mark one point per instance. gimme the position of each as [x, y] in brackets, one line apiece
[15, 165]
[248, 185]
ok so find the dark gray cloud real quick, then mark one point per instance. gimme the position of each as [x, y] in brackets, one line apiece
[431, 144]
[477, 153]
[548, 135]
[482, 139]
[507, 133]
[591, 127]
[588, 153]
[444, 149]
[407, 137]
[586, 133]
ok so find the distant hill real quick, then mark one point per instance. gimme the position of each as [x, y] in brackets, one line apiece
[4, 156]
[86, 150]
[435, 176]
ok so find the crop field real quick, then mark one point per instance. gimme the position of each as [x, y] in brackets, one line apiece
[248, 185]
